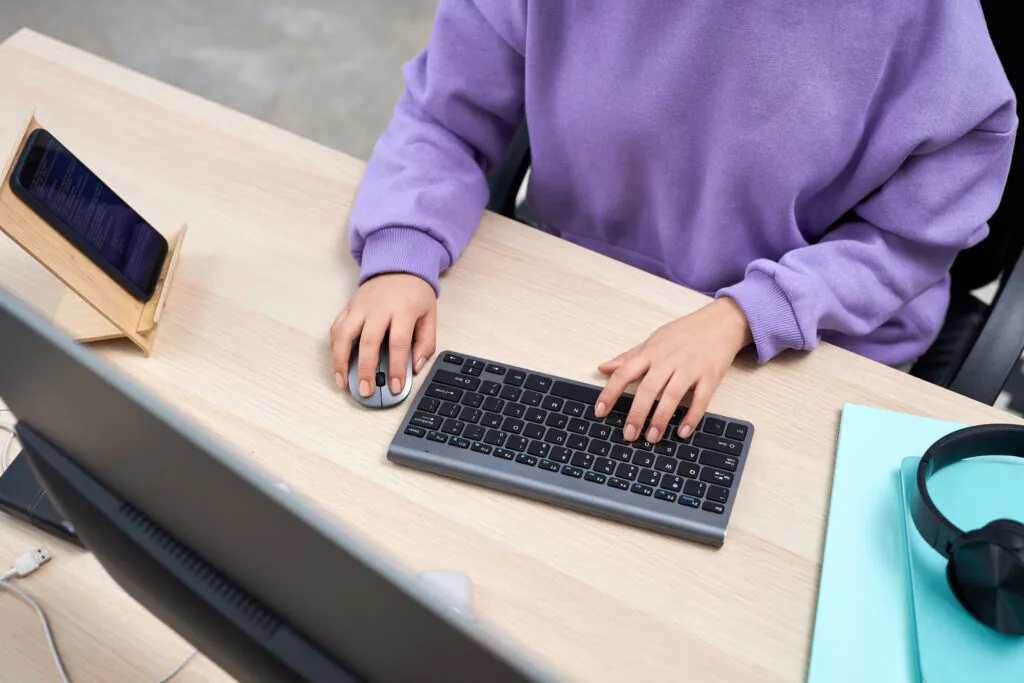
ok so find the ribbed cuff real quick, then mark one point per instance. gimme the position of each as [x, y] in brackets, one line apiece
[769, 312]
[404, 250]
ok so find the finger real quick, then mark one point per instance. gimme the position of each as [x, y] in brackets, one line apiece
[629, 371]
[399, 343]
[646, 395]
[342, 337]
[698, 406]
[369, 351]
[673, 394]
[425, 336]
[610, 366]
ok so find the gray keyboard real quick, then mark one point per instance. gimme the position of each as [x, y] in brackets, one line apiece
[536, 435]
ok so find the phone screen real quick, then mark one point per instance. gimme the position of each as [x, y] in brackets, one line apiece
[67, 189]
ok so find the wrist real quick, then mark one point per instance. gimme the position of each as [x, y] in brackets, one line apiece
[734, 320]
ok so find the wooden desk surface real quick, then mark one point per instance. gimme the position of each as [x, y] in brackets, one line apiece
[243, 351]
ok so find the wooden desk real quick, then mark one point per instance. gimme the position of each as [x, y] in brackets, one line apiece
[243, 351]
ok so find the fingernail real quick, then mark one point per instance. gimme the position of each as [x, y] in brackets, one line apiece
[653, 434]
[600, 408]
[396, 385]
[685, 431]
[342, 384]
[419, 363]
[629, 432]
[364, 387]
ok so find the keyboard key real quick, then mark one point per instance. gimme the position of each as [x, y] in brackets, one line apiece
[473, 363]
[471, 415]
[437, 436]
[711, 506]
[481, 448]
[512, 425]
[448, 410]
[556, 436]
[643, 459]
[573, 409]
[664, 447]
[589, 414]
[600, 431]
[514, 410]
[502, 453]
[618, 483]
[719, 460]
[429, 405]
[453, 427]
[539, 448]
[535, 415]
[458, 381]
[643, 444]
[649, 477]
[472, 400]
[490, 388]
[599, 447]
[695, 488]
[595, 477]
[444, 393]
[615, 420]
[736, 431]
[718, 494]
[571, 471]
[672, 483]
[712, 425]
[713, 476]
[623, 453]
[495, 369]
[579, 426]
[538, 383]
[516, 443]
[459, 442]
[560, 454]
[662, 494]
[556, 420]
[584, 460]
[552, 403]
[641, 489]
[687, 470]
[494, 405]
[453, 359]
[620, 438]
[720, 444]
[626, 471]
[534, 431]
[491, 420]
[471, 370]
[577, 442]
[532, 398]
[510, 393]
[412, 430]
[575, 392]
[687, 453]
[426, 421]
[515, 378]
[474, 432]
[678, 439]
[665, 464]
[496, 438]
[689, 501]
[549, 466]
[524, 459]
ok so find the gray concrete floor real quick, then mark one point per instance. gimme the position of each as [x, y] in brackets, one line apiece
[325, 69]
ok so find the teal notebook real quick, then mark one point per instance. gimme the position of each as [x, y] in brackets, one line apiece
[951, 645]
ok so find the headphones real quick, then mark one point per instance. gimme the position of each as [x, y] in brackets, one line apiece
[986, 565]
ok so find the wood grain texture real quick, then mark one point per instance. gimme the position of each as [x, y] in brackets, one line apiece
[245, 355]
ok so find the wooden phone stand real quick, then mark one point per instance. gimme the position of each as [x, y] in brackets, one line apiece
[93, 307]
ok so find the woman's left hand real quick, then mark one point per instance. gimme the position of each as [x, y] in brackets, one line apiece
[692, 352]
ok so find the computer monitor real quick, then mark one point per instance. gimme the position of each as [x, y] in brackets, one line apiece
[256, 580]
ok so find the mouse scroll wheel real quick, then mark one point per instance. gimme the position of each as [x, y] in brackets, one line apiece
[381, 379]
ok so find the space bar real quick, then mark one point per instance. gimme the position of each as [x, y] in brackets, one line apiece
[587, 395]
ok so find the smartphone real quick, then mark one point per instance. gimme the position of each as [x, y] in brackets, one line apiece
[80, 206]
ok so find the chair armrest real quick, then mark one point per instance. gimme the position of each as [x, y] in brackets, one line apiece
[504, 181]
[999, 345]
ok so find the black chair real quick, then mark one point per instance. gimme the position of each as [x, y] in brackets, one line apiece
[979, 344]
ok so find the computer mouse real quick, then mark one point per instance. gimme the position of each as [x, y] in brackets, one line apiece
[381, 396]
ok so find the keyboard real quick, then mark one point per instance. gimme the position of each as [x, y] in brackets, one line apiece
[536, 435]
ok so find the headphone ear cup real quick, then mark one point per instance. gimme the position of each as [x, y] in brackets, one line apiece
[986, 574]
[1010, 532]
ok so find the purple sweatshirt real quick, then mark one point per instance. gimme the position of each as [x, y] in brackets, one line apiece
[820, 162]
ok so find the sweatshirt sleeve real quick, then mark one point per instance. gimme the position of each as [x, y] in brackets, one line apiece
[903, 242]
[425, 187]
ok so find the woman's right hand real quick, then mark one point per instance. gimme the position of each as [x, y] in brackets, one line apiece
[402, 303]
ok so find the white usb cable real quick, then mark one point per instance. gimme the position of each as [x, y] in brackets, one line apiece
[6, 448]
[27, 564]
